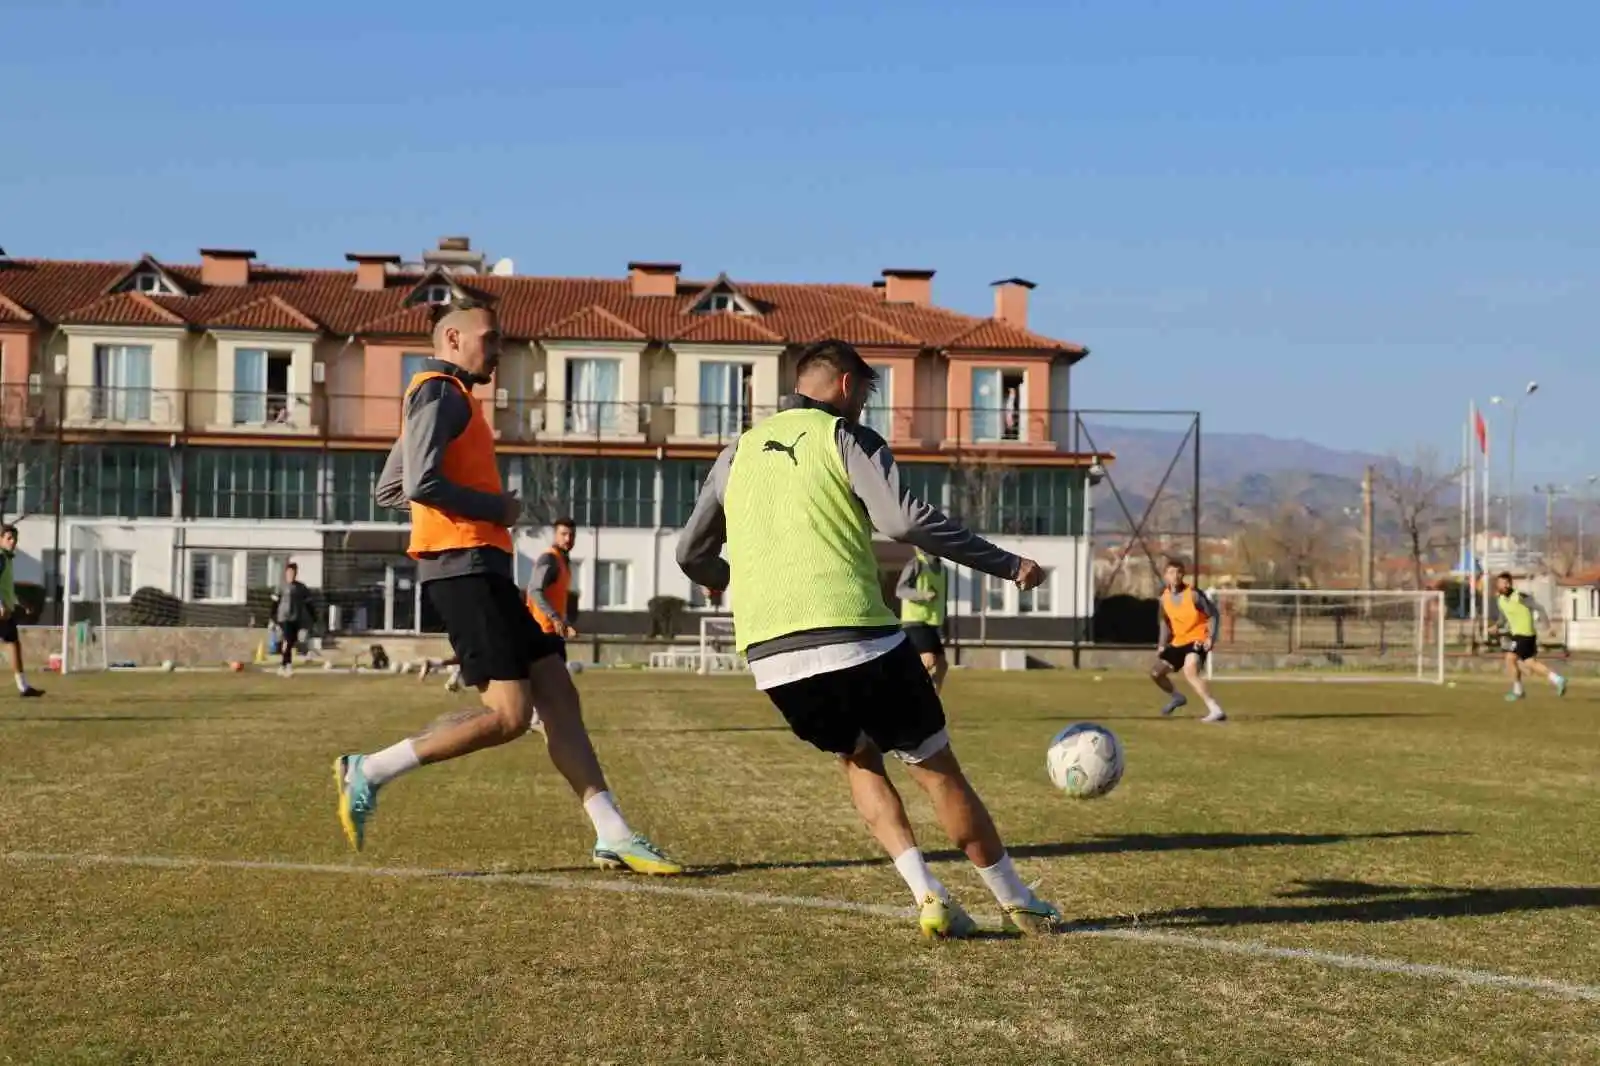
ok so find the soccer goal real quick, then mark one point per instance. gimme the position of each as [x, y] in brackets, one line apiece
[1328, 635]
[717, 648]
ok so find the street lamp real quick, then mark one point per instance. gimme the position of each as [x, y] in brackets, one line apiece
[1511, 473]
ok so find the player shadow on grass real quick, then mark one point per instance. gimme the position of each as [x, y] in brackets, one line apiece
[1358, 901]
[1100, 845]
[87, 718]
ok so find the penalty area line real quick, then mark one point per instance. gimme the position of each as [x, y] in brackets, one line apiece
[1249, 949]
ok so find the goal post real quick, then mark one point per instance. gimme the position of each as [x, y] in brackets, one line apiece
[718, 652]
[1328, 635]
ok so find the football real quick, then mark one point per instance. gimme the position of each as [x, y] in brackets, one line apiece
[1085, 760]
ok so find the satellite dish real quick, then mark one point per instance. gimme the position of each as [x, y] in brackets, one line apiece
[503, 268]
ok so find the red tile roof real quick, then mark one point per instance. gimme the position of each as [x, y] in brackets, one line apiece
[125, 309]
[592, 323]
[727, 327]
[528, 307]
[268, 313]
[11, 311]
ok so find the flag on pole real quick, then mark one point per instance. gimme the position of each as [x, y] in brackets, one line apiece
[1480, 429]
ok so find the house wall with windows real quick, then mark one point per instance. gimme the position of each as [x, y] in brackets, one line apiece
[121, 375]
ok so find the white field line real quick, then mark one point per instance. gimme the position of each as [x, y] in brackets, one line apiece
[637, 886]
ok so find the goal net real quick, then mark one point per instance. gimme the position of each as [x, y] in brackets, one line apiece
[1328, 635]
[717, 648]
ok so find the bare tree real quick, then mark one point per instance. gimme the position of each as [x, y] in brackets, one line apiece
[547, 489]
[1294, 548]
[977, 494]
[1413, 493]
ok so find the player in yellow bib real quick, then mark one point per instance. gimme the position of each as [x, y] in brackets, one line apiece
[1515, 615]
[1188, 633]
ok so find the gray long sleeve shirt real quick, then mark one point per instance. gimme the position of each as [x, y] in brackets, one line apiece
[894, 512]
[1207, 608]
[906, 587]
[544, 575]
[436, 414]
[292, 603]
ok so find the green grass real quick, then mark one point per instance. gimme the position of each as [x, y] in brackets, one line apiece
[1406, 823]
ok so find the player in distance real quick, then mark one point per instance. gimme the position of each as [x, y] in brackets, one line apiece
[1514, 623]
[795, 501]
[444, 467]
[923, 592]
[1188, 633]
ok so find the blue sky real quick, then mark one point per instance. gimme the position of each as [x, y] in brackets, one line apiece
[1337, 222]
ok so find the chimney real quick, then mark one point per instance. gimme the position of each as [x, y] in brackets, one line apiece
[653, 279]
[908, 287]
[1011, 301]
[455, 255]
[225, 266]
[372, 269]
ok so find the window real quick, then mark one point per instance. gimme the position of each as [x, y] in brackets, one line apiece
[681, 480]
[438, 294]
[611, 585]
[723, 302]
[261, 386]
[126, 481]
[878, 413]
[727, 394]
[150, 283]
[997, 404]
[51, 558]
[411, 364]
[211, 576]
[594, 394]
[596, 492]
[121, 383]
[264, 570]
[353, 477]
[988, 594]
[250, 483]
[1036, 600]
[116, 575]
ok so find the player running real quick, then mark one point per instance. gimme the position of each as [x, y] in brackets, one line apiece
[10, 608]
[1188, 633]
[795, 500]
[1514, 619]
[922, 590]
[444, 466]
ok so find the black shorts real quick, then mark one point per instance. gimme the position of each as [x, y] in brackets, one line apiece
[1174, 655]
[1524, 648]
[925, 639]
[890, 699]
[489, 627]
[8, 629]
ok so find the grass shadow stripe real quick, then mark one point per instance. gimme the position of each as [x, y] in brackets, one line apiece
[1245, 948]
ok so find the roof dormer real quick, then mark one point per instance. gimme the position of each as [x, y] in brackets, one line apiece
[149, 278]
[722, 297]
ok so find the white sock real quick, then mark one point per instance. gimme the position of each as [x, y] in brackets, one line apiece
[1003, 881]
[1212, 704]
[22, 681]
[390, 763]
[609, 825]
[1516, 686]
[914, 869]
[1555, 678]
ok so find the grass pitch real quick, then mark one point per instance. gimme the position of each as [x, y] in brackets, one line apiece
[1340, 874]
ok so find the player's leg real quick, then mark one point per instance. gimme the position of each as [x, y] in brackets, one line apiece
[906, 718]
[13, 642]
[1161, 674]
[495, 665]
[1197, 681]
[1514, 669]
[1533, 664]
[289, 634]
[822, 710]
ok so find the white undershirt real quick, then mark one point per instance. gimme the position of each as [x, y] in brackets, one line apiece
[789, 666]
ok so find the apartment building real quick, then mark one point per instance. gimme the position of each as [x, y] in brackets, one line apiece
[188, 427]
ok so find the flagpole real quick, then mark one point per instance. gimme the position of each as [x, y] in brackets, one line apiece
[1487, 462]
[1464, 480]
[1472, 540]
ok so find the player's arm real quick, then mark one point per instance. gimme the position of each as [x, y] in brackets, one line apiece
[1164, 634]
[700, 543]
[907, 589]
[544, 575]
[1213, 616]
[436, 414]
[1540, 615]
[898, 515]
[390, 492]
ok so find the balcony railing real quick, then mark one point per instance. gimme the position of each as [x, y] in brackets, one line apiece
[516, 420]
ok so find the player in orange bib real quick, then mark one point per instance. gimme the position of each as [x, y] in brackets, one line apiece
[1188, 633]
[444, 468]
[552, 580]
